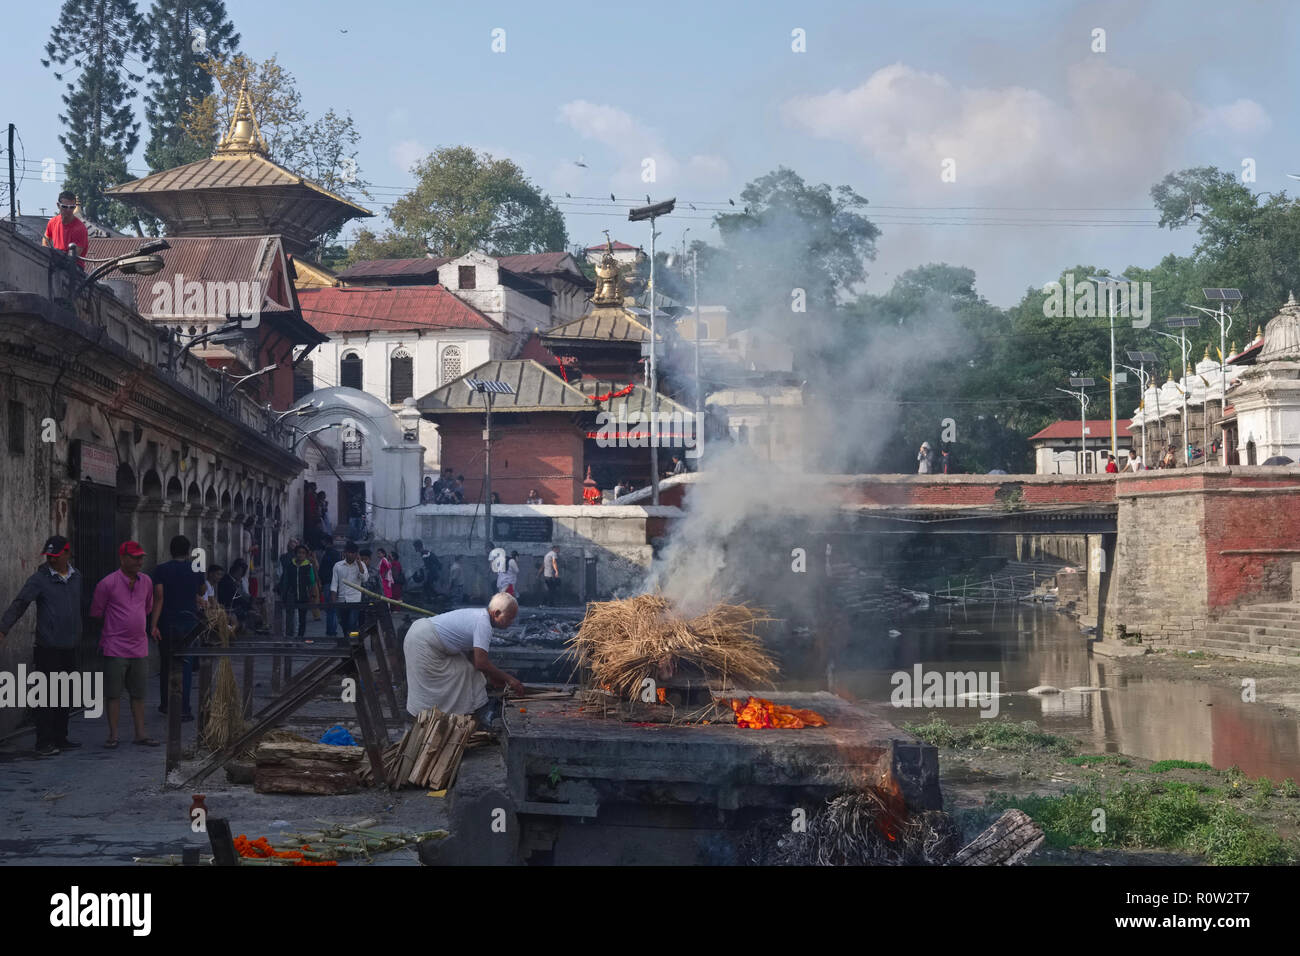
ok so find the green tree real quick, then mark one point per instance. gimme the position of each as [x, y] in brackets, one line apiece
[367, 246]
[184, 34]
[466, 200]
[790, 236]
[1245, 241]
[100, 38]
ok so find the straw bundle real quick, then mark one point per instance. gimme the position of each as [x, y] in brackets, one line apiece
[624, 642]
[225, 720]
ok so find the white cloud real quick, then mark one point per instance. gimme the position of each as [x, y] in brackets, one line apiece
[407, 153]
[1112, 131]
[1240, 116]
[631, 143]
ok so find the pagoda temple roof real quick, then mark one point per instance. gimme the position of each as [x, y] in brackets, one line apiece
[537, 389]
[611, 324]
[239, 191]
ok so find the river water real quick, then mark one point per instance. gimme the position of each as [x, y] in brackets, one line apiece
[1144, 714]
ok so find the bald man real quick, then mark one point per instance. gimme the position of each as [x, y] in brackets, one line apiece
[447, 664]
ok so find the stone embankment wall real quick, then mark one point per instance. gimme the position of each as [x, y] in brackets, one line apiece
[1194, 545]
[617, 537]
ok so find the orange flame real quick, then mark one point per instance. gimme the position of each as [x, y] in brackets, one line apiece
[757, 713]
[662, 694]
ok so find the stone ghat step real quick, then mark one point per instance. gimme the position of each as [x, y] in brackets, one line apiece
[1286, 617]
[1260, 635]
[1223, 645]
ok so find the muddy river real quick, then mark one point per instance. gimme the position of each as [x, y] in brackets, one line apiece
[1153, 707]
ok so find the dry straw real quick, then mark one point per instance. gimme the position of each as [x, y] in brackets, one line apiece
[225, 721]
[624, 642]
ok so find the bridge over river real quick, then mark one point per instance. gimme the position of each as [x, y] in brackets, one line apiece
[1168, 551]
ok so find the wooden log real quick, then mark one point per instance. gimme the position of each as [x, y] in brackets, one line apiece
[273, 752]
[319, 782]
[1010, 840]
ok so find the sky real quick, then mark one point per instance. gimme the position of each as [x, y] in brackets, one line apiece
[1008, 137]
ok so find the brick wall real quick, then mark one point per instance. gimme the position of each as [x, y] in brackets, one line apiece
[545, 454]
[1193, 545]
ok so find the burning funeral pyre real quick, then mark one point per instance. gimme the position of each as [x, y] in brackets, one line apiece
[642, 651]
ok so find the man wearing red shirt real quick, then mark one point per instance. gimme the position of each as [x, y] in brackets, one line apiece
[66, 230]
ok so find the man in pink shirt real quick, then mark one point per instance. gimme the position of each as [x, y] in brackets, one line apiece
[123, 601]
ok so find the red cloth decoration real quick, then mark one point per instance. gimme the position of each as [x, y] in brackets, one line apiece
[608, 395]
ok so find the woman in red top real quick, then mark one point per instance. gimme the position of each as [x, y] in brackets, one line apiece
[385, 573]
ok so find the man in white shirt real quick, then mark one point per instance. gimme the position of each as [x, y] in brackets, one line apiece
[1134, 463]
[508, 578]
[447, 664]
[348, 571]
[551, 573]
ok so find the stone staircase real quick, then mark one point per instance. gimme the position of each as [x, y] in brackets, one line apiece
[1259, 632]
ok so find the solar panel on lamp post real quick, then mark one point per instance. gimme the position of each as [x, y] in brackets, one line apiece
[488, 388]
[640, 214]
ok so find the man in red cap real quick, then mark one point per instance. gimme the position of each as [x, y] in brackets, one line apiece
[55, 587]
[65, 232]
[123, 601]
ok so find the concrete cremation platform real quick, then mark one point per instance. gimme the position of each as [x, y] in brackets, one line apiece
[590, 789]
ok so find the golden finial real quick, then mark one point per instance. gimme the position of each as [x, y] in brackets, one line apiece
[1207, 350]
[1259, 332]
[244, 135]
[1233, 349]
[1171, 376]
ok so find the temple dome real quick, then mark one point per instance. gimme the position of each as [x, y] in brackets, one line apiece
[1282, 336]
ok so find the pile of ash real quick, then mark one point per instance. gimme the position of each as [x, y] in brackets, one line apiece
[541, 630]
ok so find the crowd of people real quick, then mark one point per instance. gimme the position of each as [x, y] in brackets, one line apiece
[447, 490]
[133, 608]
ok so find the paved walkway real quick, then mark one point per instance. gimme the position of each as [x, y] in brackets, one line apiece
[95, 806]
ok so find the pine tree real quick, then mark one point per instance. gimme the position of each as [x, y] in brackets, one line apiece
[184, 34]
[103, 39]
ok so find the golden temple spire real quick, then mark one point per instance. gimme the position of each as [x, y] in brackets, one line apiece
[244, 135]
[1207, 350]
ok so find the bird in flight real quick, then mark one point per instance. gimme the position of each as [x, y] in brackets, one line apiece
[611, 198]
[579, 161]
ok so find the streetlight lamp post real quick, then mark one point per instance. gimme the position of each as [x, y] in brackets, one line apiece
[1142, 358]
[1221, 316]
[142, 261]
[1082, 396]
[1182, 323]
[1110, 283]
[488, 388]
[640, 214]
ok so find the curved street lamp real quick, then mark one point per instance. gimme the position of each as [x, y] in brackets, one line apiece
[143, 261]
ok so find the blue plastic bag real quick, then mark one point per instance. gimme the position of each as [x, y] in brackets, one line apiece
[338, 736]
